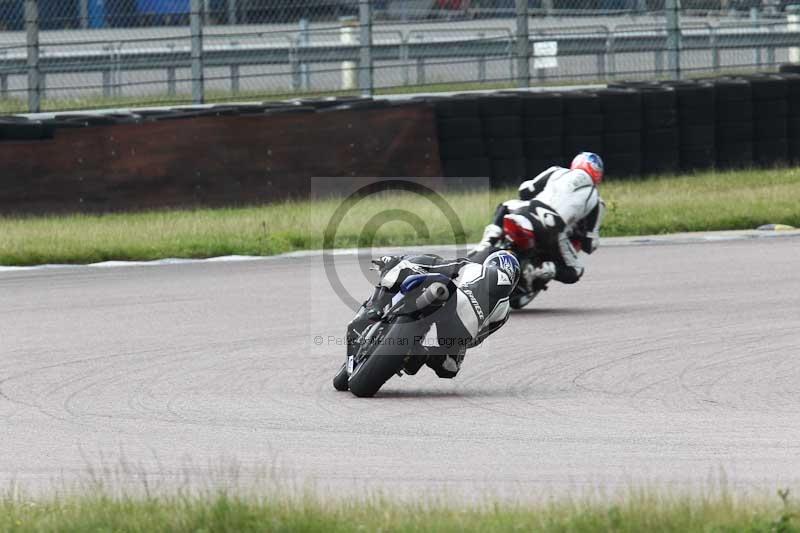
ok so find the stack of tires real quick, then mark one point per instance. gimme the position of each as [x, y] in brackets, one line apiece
[543, 131]
[13, 128]
[583, 123]
[622, 136]
[789, 68]
[502, 134]
[461, 146]
[733, 106]
[660, 133]
[770, 109]
[793, 116]
[696, 124]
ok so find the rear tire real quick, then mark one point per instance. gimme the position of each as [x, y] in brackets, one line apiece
[519, 300]
[340, 379]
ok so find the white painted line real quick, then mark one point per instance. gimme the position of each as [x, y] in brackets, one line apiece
[608, 242]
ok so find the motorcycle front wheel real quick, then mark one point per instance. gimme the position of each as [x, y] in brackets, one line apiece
[340, 379]
[382, 357]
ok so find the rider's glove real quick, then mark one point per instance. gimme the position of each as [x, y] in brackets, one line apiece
[386, 263]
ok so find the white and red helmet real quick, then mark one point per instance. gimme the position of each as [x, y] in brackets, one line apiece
[589, 163]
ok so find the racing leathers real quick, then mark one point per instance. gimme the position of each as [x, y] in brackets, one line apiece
[478, 308]
[565, 209]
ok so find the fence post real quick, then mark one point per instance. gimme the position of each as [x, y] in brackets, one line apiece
[755, 18]
[172, 82]
[304, 39]
[612, 58]
[793, 24]
[32, 39]
[421, 79]
[83, 13]
[673, 38]
[294, 65]
[233, 15]
[196, 22]
[405, 57]
[481, 61]
[347, 35]
[712, 40]
[365, 81]
[523, 45]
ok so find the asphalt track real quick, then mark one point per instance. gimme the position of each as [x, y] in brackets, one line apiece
[670, 365]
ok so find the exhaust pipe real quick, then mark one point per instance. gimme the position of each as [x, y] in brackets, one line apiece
[435, 292]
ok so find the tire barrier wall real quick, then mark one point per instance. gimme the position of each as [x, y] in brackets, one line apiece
[639, 128]
[224, 155]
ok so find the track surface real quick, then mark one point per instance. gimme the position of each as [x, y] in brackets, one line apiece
[668, 364]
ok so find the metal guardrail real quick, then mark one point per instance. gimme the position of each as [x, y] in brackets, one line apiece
[413, 48]
[367, 50]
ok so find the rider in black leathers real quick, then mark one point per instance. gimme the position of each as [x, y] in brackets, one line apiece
[478, 308]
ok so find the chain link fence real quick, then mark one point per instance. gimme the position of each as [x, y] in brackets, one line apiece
[69, 54]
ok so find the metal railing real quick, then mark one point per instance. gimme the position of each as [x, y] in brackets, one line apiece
[199, 61]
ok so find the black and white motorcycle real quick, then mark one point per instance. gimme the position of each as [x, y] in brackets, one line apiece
[394, 343]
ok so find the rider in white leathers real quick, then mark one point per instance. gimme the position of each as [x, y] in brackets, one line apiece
[566, 211]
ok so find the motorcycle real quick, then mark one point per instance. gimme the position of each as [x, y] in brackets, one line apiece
[519, 239]
[393, 344]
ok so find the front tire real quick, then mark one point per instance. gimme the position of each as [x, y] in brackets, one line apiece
[386, 359]
[340, 379]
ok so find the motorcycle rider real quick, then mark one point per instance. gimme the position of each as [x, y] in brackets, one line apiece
[479, 306]
[565, 210]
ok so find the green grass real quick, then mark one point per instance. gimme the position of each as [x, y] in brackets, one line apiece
[635, 513]
[708, 201]
[20, 105]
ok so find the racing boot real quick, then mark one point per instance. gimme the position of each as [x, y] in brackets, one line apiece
[414, 363]
[446, 366]
[531, 275]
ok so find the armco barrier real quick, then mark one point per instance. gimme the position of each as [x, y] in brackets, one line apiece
[219, 156]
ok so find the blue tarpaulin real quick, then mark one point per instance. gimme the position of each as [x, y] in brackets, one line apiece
[97, 13]
[162, 7]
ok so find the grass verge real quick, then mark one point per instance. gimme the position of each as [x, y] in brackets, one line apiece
[222, 512]
[707, 201]
[20, 105]
[15, 105]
